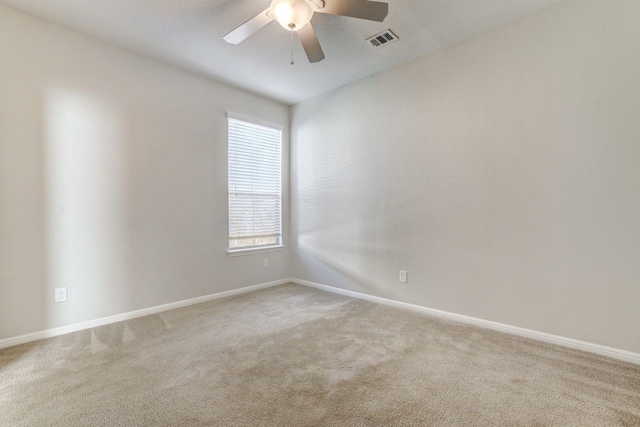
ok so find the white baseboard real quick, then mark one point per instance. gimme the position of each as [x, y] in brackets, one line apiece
[49, 333]
[601, 350]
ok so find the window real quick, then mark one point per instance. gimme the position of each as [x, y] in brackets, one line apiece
[255, 196]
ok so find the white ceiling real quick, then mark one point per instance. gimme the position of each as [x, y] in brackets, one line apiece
[189, 33]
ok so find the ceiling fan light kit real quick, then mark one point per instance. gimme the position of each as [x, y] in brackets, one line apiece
[292, 15]
[295, 16]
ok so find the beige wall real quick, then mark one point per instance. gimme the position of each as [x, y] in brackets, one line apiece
[112, 180]
[503, 173]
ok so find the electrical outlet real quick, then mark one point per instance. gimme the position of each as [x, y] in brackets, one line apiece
[265, 263]
[403, 276]
[60, 294]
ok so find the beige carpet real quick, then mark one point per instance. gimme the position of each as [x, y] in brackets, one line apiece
[294, 356]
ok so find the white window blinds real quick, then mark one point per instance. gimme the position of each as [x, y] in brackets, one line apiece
[255, 196]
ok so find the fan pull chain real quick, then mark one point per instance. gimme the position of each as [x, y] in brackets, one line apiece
[291, 48]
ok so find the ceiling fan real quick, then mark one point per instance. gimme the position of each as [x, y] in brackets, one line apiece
[295, 16]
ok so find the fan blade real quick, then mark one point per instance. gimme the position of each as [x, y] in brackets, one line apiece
[363, 9]
[248, 28]
[310, 43]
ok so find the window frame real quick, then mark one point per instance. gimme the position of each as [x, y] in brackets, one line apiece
[264, 248]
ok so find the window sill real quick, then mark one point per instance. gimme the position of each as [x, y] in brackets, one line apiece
[240, 252]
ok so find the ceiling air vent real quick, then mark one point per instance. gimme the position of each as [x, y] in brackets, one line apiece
[382, 39]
